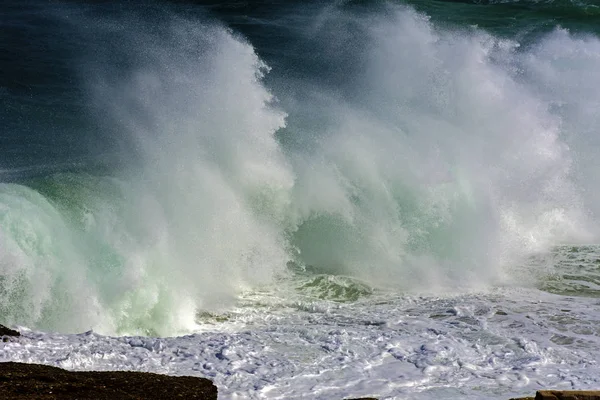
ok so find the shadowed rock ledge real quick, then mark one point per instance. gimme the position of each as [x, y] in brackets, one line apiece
[564, 395]
[20, 381]
[32, 381]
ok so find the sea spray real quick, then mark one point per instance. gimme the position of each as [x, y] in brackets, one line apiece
[192, 216]
[562, 70]
[202, 125]
[438, 163]
[447, 167]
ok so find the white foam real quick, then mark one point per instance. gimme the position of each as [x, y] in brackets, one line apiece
[509, 342]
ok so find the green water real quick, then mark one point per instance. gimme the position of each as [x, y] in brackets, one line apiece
[514, 18]
[575, 271]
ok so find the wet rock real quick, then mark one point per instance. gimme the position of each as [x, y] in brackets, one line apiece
[4, 331]
[32, 381]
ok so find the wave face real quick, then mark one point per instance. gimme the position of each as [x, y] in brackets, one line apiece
[396, 152]
[190, 219]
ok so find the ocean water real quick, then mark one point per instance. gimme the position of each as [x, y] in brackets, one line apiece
[305, 199]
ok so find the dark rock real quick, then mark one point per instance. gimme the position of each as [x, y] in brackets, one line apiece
[567, 395]
[363, 398]
[564, 395]
[4, 331]
[32, 381]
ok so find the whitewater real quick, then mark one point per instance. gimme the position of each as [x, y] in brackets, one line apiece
[322, 201]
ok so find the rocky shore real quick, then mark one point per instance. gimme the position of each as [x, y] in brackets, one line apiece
[32, 381]
[564, 395]
[21, 381]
